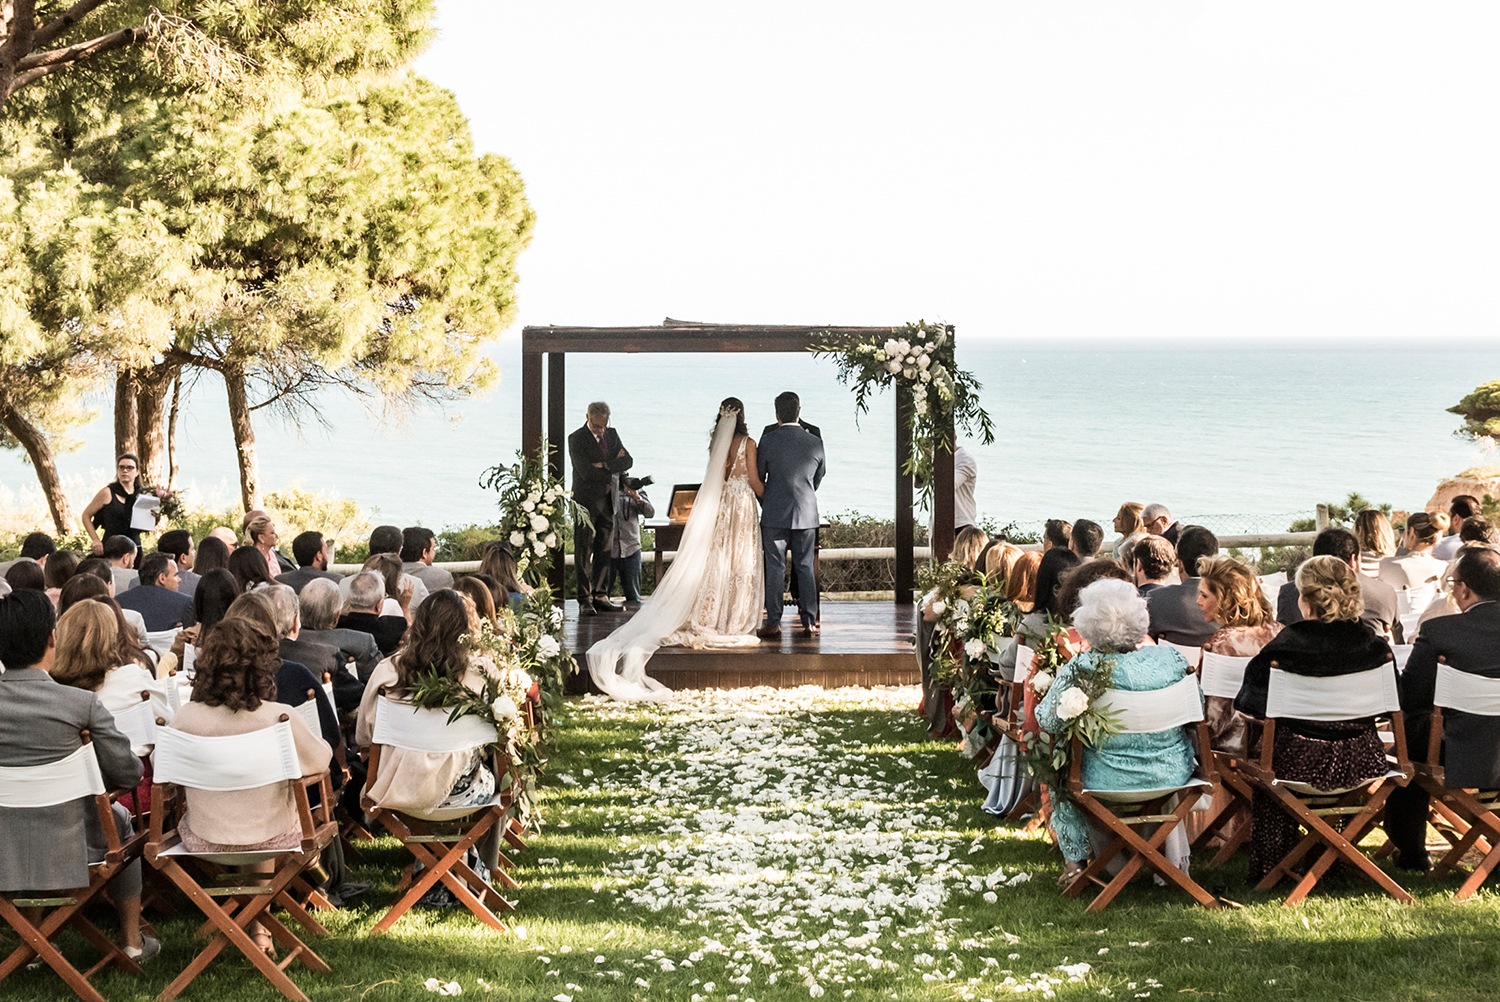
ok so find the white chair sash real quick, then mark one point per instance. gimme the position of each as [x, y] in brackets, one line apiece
[1270, 587]
[1190, 654]
[401, 725]
[1222, 675]
[61, 782]
[162, 640]
[308, 711]
[1152, 710]
[1403, 654]
[138, 723]
[229, 762]
[1462, 690]
[1336, 697]
[1025, 658]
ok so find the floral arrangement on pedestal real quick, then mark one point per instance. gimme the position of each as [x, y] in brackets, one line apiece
[536, 513]
[918, 358]
[974, 621]
[1049, 756]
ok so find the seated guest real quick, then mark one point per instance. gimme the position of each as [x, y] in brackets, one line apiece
[59, 568]
[1113, 618]
[999, 557]
[1229, 594]
[1175, 616]
[293, 679]
[213, 555]
[1460, 510]
[319, 609]
[215, 593]
[178, 544]
[399, 586]
[1466, 642]
[362, 612]
[156, 598]
[418, 550]
[1376, 540]
[1034, 628]
[1056, 533]
[49, 848]
[387, 539]
[120, 552]
[36, 548]
[26, 575]
[89, 657]
[311, 551]
[479, 593]
[102, 570]
[1020, 586]
[499, 564]
[1158, 521]
[1086, 539]
[234, 692]
[1327, 755]
[1417, 568]
[419, 781]
[248, 565]
[323, 660]
[225, 535]
[261, 536]
[1478, 533]
[1080, 577]
[968, 544]
[1130, 526]
[1380, 612]
[1154, 559]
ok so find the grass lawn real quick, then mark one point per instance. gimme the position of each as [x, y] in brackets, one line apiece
[757, 845]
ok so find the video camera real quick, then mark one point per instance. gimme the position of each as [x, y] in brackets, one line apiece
[637, 483]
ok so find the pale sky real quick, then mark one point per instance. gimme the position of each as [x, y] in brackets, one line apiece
[1182, 170]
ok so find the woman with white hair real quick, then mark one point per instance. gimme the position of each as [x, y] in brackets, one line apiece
[1112, 617]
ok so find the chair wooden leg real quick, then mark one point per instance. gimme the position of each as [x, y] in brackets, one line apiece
[37, 943]
[1143, 852]
[1338, 845]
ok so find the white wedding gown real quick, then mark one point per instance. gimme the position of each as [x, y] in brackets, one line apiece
[713, 593]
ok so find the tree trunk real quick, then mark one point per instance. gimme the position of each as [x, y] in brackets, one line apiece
[172, 432]
[151, 387]
[244, 436]
[35, 444]
[127, 426]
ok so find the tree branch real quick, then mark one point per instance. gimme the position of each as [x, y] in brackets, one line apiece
[38, 65]
[63, 22]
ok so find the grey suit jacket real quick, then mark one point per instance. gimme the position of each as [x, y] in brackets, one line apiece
[1380, 612]
[1175, 616]
[46, 848]
[297, 580]
[351, 645]
[435, 578]
[790, 463]
[187, 582]
[1469, 642]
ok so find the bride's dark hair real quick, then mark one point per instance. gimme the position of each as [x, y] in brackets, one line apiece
[733, 403]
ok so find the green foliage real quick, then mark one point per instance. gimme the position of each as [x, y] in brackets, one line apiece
[1480, 411]
[465, 542]
[1340, 514]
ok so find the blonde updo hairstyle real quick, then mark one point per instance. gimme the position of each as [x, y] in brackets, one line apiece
[1241, 600]
[1330, 588]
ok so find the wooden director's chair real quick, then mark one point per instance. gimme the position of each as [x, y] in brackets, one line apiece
[1119, 812]
[439, 839]
[75, 777]
[239, 762]
[1220, 675]
[1356, 696]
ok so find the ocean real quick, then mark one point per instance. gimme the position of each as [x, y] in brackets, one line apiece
[1252, 434]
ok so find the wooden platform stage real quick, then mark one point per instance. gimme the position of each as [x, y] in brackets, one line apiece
[861, 643]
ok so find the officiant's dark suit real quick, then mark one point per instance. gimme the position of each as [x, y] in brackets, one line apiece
[790, 462]
[595, 460]
[1468, 642]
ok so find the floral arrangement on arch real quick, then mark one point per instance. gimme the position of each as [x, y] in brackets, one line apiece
[1049, 756]
[536, 513]
[918, 358]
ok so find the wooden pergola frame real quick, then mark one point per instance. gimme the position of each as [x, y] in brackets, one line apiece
[556, 343]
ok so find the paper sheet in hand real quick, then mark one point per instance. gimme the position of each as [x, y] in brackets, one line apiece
[143, 515]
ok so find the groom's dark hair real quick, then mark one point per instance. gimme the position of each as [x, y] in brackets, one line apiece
[786, 407]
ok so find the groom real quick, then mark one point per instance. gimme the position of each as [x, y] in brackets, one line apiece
[790, 462]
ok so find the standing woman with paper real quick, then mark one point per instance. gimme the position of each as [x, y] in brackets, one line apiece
[110, 512]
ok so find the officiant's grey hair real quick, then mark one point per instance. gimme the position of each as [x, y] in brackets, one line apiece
[599, 409]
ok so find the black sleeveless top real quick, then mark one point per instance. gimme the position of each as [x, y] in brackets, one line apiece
[114, 518]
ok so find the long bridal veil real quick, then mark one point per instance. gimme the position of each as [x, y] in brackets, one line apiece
[617, 663]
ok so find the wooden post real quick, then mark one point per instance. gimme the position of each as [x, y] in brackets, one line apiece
[905, 527]
[531, 402]
[942, 493]
[557, 437]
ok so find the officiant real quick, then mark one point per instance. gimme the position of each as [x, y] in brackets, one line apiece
[596, 456]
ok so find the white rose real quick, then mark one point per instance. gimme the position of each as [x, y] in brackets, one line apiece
[528, 505]
[1041, 682]
[904, 346]
[890, 346]
[547, 646]
[504, 708]
[1072, 703]
[538, 524]
[921, 407]
[909, 373]
[551, 494]
[923, 361]
[551, 539]
[893, 366]
[974, 648]
[540, 548]
[520, 678]
[926, 376]
[535, 495]
[940, 607]
[517, 539]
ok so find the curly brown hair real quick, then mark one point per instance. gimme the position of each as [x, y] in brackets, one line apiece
[1241, 600]
[236, 667]
[435, 640]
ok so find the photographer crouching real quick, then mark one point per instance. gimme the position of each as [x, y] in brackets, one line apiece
[625, 556]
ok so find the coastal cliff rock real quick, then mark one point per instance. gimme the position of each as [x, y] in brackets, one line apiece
[1477, 482]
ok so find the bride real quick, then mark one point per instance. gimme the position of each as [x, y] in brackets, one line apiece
[713, 594]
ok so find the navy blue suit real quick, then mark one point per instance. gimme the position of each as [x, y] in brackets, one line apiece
[791, 465]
